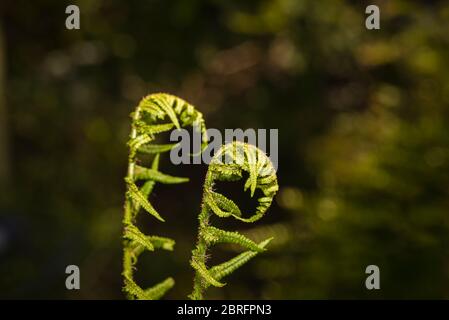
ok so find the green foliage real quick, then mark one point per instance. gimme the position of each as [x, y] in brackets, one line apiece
[226, 268]
[227, 165]
[145, 125]
[153, 293]
[356, 196]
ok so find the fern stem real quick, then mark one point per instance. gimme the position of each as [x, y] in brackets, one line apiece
[200, 254]
[127, 250]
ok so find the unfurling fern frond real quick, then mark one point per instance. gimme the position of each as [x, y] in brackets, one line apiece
[156, 113]
[227, 165]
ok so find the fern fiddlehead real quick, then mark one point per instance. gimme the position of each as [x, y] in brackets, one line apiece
[155, 114]
[227, 165]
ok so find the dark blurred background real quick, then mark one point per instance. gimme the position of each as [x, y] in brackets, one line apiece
[363, 141]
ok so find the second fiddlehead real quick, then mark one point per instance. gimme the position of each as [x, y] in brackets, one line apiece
[228, 165]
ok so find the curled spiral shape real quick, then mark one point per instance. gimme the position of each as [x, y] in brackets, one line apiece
[228, 164]
[155, 114]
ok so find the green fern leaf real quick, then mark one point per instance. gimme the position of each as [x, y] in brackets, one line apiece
[146, 189]
[202, 270]
[210, 202]
[153, 293]
[162, 243]
[225, 204]
[152, 129]
[214, 235]
[251, 155]
[148, 186]
[158, 290]
[135, 143]
[157, 148]
[220, 271]
[165, 103]
[229, 172]
[142, 173]
[134, 234]
[133, 289]
[137, 196]
[157, 242]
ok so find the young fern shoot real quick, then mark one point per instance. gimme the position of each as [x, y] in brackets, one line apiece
[156, 113]
[227, 165]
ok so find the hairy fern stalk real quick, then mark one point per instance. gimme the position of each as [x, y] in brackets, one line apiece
[227, 165]
[155, 114]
